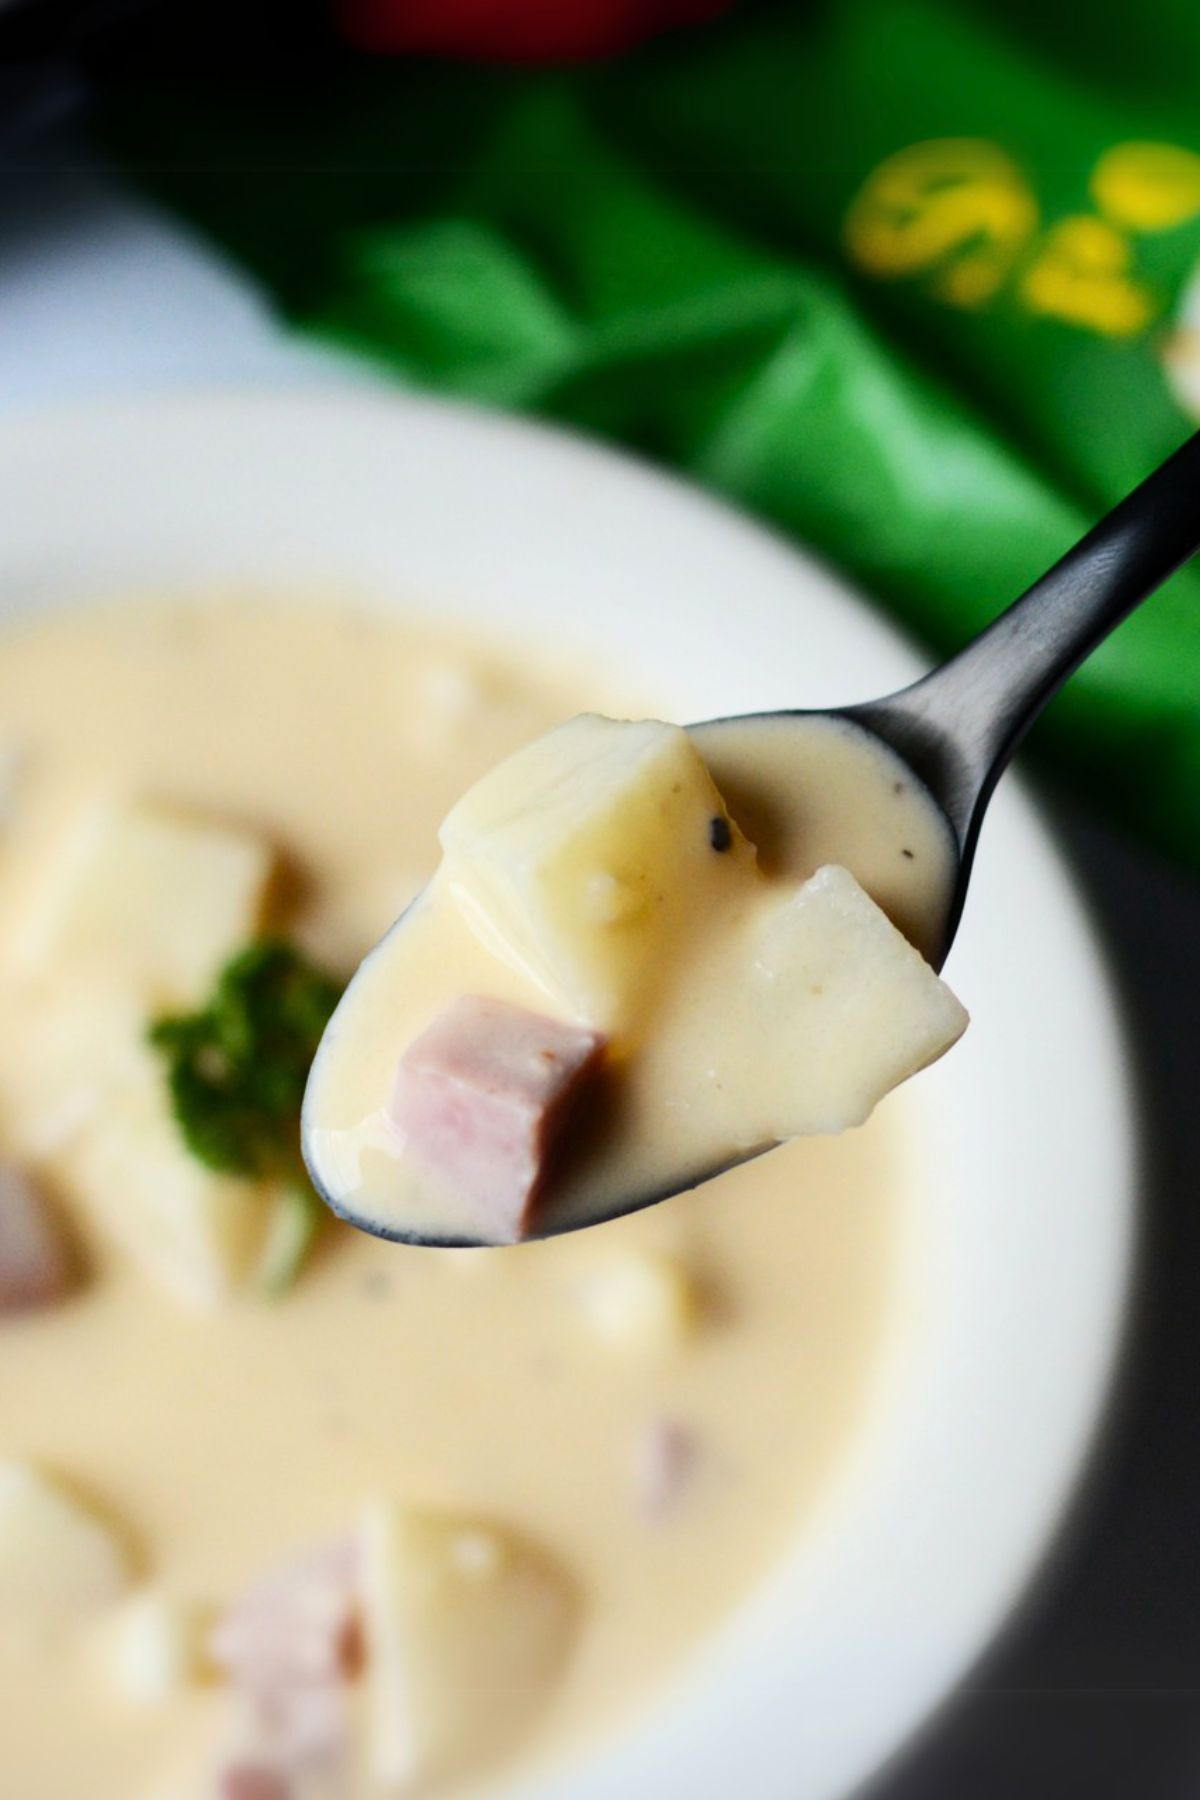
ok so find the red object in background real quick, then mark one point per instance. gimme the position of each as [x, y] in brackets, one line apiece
[516, 30]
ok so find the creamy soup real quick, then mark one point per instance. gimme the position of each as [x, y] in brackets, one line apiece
[656, 1405]
[810, 791]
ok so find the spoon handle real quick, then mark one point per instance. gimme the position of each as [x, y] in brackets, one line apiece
[960, 725]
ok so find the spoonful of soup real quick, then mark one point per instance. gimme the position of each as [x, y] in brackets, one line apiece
[651, 953]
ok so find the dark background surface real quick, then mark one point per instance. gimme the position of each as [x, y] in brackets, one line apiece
[1094, 1691]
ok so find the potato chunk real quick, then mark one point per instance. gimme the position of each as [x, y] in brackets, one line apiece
[156, 1648]
[153, 899]
[576, 859]
[466, 1631]
[60, 1565]
[197, 1231]
[847, 1008]
[641, 1302]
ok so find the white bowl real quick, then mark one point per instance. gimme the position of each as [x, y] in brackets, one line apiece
[1018, 1249]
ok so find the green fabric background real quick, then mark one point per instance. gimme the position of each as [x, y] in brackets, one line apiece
[654, 249]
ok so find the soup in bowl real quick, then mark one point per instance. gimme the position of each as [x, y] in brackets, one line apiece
[281, 1504]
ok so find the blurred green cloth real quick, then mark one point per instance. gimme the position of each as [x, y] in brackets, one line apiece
[916, 282]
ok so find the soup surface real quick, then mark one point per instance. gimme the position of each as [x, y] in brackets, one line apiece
[518, 1386]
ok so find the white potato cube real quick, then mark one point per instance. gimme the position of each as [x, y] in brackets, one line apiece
[60, 1565]
[466, 1632]
[75, 1048]
[847, 1008]
[156, 1648]
[93, 1093]
[577, 858]
[153, 899]
[197, 1231]
[643, 1303]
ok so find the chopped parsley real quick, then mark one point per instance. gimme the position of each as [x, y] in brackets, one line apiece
[236, 1069]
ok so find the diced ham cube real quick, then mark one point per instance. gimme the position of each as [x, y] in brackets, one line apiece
[253, 1781]
[665, 1463]
[295, 1744]
[483, 1097]
[289, 1646]
[35, 1268]
[297, 1624]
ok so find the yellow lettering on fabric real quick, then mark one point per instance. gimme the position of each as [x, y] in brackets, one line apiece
[1081, 276]
[1148, 187]
[958, 209]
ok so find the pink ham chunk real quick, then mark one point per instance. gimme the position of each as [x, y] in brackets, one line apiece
[296, 1625]
[289, 1646]
[665, 1465]
[35, 1268]
[482, 1098]
[249, 1781]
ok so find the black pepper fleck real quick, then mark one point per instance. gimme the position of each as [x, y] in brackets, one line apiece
[909, 854]
[897, 787]
[720, 835]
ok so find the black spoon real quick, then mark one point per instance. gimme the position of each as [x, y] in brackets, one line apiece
[956, 729]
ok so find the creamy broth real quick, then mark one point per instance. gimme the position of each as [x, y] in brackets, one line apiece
[809, 791]
[477, 1380]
